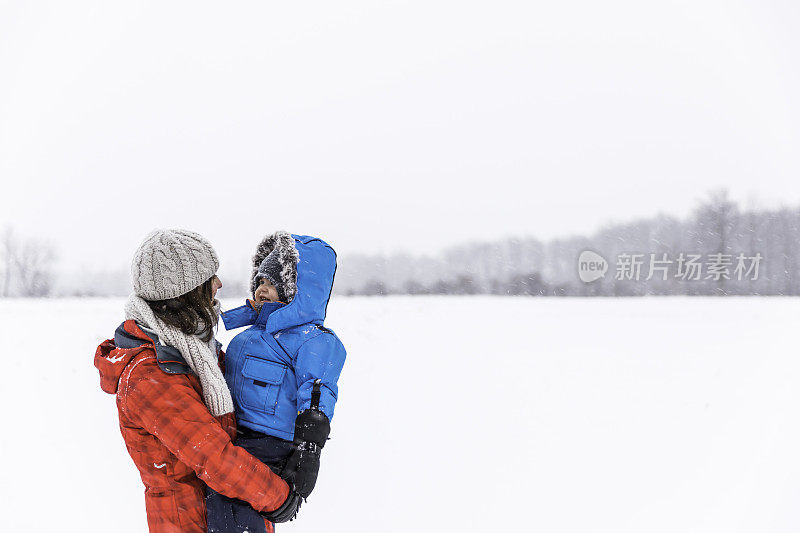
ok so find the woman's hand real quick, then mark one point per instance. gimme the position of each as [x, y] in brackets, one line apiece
[287, 511]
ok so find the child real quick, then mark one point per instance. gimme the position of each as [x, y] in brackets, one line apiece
[282, 371]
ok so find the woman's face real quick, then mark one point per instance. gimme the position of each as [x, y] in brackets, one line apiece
[266, 292]
[216, 284]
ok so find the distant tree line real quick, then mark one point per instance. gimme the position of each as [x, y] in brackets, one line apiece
[718, 233]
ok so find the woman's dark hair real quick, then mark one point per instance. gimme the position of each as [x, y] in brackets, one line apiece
[193, 313]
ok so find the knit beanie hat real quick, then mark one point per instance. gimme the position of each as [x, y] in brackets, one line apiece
[169, 263]
[276, 261]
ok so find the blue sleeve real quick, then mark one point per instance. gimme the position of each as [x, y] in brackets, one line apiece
[321, 357]
[239, 317]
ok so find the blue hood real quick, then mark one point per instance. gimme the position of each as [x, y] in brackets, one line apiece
[316, 268]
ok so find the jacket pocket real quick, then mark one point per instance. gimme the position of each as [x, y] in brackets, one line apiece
[260, 383]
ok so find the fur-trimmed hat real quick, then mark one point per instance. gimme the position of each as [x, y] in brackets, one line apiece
[276, 260]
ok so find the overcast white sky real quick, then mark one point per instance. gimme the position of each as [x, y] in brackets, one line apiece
[385, 126]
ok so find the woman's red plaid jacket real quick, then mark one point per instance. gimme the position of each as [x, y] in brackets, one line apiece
[175, 442]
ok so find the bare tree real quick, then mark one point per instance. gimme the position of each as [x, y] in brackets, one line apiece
[715, 226]
[27, 266]
[8, 247]
[33, 264]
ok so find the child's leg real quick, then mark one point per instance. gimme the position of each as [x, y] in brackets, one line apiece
[270, 450]
[227, 515]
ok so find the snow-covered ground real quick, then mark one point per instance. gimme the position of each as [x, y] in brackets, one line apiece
[462, 414]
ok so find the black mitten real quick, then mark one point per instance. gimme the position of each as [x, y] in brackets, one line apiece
[302, 468]
[311, 430]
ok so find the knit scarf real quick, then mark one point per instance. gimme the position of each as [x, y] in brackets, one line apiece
[199, 355]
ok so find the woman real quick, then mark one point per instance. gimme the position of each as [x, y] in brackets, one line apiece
[175, 410]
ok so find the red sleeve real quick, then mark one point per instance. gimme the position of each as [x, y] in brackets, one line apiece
[171, 409]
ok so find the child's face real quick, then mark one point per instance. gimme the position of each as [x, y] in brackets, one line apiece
[266, 292]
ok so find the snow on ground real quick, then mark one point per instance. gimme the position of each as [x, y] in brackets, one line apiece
[462, 414]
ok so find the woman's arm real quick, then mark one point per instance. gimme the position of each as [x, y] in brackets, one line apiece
[168, 407]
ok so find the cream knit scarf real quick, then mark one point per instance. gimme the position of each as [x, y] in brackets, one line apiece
[200, 356]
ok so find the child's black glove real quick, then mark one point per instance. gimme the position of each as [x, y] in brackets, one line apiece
[311, 430]
[302, 468]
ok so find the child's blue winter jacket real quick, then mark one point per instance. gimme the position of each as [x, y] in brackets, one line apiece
[271, 367]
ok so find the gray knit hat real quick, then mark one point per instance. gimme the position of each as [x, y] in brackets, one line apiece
[171, 262]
